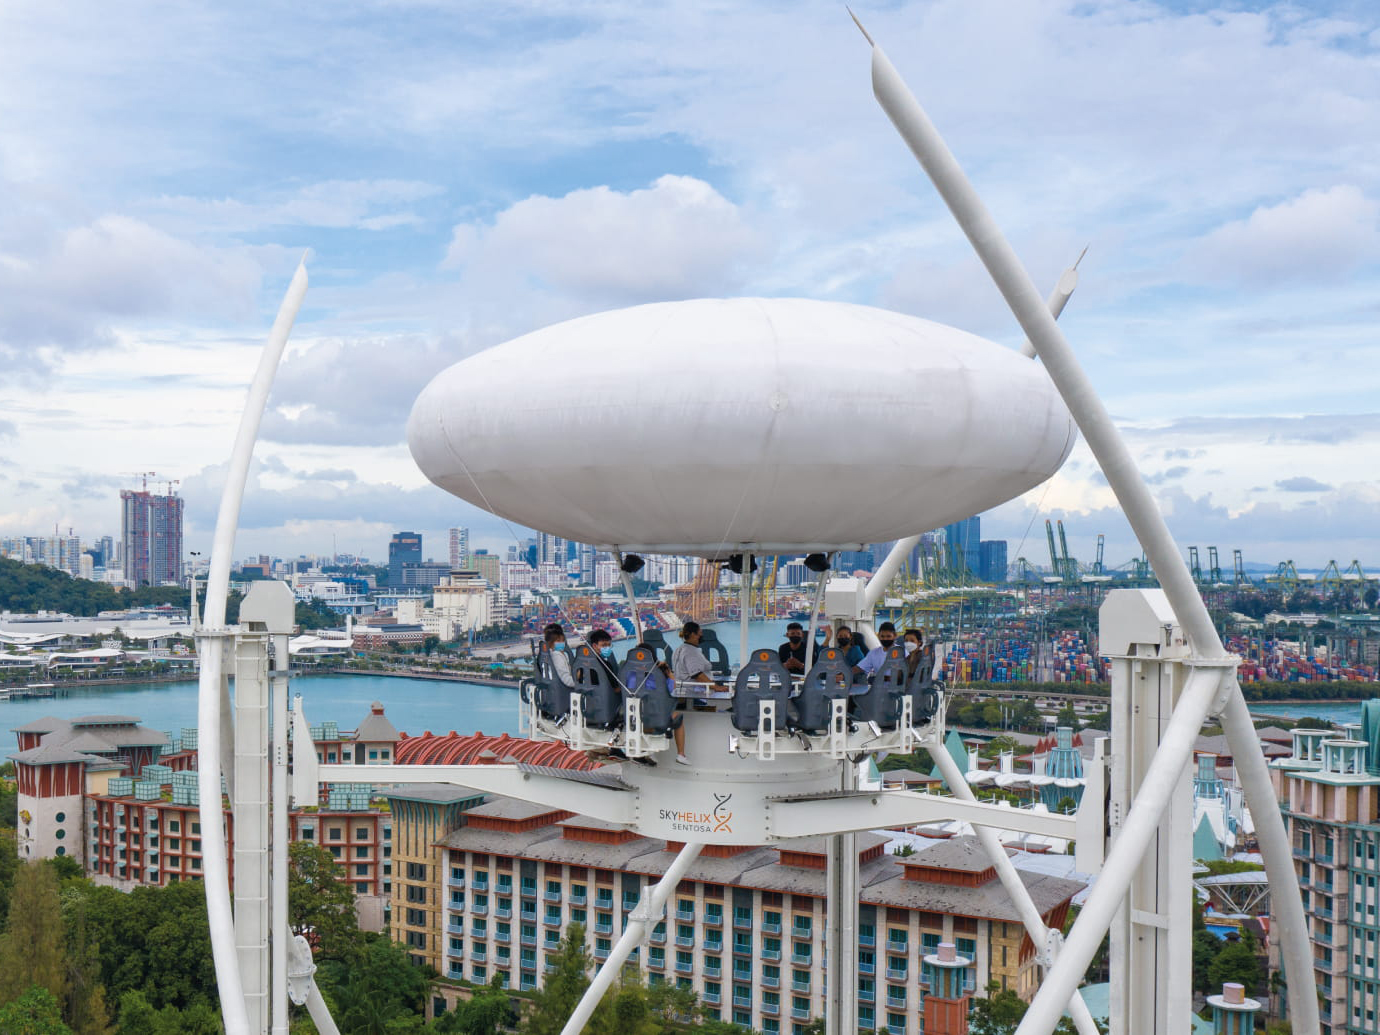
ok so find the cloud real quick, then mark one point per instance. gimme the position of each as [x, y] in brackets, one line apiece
[1171, 474]
[1317, 235]
[72, 288]
[88, 485]
[331, 204]
[1183, 454]
[8, 429]
[678, 238]
[353, 391]
[329, 474]
[1302, 483]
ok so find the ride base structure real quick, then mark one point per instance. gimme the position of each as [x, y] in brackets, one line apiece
[772, 758]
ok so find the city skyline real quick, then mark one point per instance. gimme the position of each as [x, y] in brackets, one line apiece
[500, 172]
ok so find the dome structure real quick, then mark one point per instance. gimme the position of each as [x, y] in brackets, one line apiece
[716, 425]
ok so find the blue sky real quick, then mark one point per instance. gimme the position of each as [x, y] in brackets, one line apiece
[460, 174]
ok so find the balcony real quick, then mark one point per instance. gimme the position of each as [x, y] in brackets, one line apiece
[802, 934]
[527, 964]
[867, 995]
[502, 937]
[529, 915]
[552, 896]
[771, 955]
[715, 946]
[456, 954]
[712, 998]
[867, 968]
[713, 969]
[896, 948]
[685, 942]
[685, 916]
[742, 1002]
[602, 928]
[771, 1009]
[742, 948]
[479, 910]
[551, 921]
[657, 937]
[800, 986]
[505, 887]
[742, 923]
[457, 882]
[892, 1003]
[683, 967]
[797, 1014]
[867, 940]
[713, 920]
[655, 963]
[529, 940]
[578, 898]
[771, 927]
[742, 973]
[603, 901]
[601, 953]
[503, 913]
[478, 954]
[770, 982]
[801, 959]
[529, 892]
[456, 925]
[479, 932]
[898, 976]
[481, 884]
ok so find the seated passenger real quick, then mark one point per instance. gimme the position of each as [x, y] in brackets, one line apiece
[678, 726]
[560, 653]
[792, 652]
[602, 644]
[914, 642]
[688, 663]
[886, 632]
[849, 646]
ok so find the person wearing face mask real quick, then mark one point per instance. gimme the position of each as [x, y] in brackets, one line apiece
[850, 646]
[914, 641]
[554, 636]
[602, 644]
[886, 633]
[792, 653]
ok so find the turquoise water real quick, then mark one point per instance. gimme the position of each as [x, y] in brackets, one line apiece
[413, 705]
[1338, 712]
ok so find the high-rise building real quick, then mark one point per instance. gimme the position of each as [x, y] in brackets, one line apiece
[992, 560]
[550, 549]
[459, 547]
[403, 548]
[965, 537]
[151, 536]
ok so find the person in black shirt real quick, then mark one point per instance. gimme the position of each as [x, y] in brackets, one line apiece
[792, 652]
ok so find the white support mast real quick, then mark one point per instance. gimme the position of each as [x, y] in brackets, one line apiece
[1210, 687]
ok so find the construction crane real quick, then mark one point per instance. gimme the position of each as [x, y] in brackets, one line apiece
[171, 482]
[1070, 572]
[1239, 570]
[1097, 564]
[144, 477]
[1194, 566]
[1214, 568]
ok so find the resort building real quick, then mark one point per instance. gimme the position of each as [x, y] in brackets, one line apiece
[1329, 790]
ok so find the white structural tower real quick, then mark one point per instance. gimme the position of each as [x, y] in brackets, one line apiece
[793, 386]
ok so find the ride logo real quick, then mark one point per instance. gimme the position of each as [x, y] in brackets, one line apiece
[717, 820]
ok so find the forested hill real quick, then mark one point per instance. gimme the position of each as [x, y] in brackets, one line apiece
[25, 588]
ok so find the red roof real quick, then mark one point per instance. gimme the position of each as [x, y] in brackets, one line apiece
[481, 749]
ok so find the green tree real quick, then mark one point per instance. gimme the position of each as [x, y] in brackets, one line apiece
[1067, 716]
[85, 1008]
[998, 1014]
[321, 905]
[31, 949]
[36, 1012]
[564, 986]
[138, 1017]
[485, 1013]
[378, 991]
[1236, 962]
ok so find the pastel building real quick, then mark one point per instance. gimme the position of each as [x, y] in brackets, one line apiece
[744, 929]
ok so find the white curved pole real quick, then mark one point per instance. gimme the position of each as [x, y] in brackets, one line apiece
[1064, 288]
[886, 571]
[1011, 880]
[1131, 492]
[640, 921]
[215, 869]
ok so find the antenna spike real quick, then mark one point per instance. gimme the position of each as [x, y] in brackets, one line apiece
[859, 24]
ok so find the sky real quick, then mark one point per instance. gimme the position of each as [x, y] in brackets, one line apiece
[459, 174]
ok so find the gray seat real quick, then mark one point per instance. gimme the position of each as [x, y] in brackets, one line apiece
[553, 696]
[716, 653]
[924, 693]
[881, 704]
[763, 678]
[656, 639]
[601, 697]
[643, 679]
[828, 681]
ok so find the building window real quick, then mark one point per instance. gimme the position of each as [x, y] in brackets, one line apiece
[308, 833]
[61, 817]
[334, 833]
[362, 852]
[361, 833]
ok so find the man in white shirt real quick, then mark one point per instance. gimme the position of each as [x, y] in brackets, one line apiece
[886, 632]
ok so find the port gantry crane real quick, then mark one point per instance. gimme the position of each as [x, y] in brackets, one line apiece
[1169, 672]
[1239, 577]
